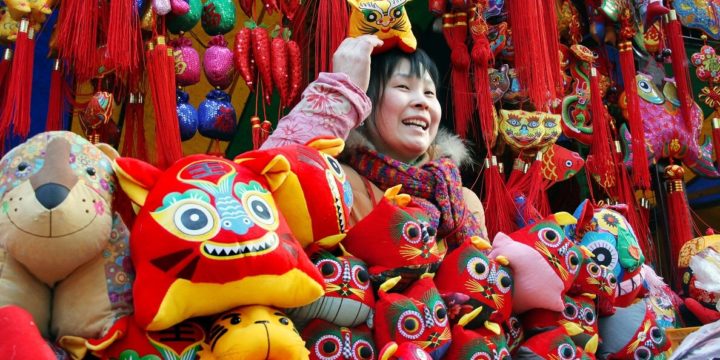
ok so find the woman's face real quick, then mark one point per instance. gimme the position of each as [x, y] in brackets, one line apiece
[407, 116]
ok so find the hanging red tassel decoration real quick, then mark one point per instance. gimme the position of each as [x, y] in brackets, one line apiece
[482, 58]
[536, 191]
[123, 38]
[135, 143]
[57, 100]
[673, 33]
[602, 156]
[498, 199]
[77, 35]
[16, 112]
[535, 38]
[678, 214]
[716, 140]
[161, 78]
[5, 65]
[256, 132]
[455, 33]
[330, 31]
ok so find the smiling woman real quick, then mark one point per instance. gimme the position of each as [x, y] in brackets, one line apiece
[388, 112]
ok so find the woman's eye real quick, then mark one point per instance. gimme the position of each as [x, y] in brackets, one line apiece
[403, 87]
[430, 93]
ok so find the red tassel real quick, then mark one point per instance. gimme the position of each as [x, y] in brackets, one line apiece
[535, 38]
[256, 132]
[498, 199]
[673, 33]
[161, 78]
[56, 104]
[678, 213]
[482, 58]
[16, 112]
[5, 65]
[716, 140]
[134, 144]
[536, 191]
[332, 21]
[455, 32]
[124, 37]
[600, 149]
[77, 30]
[641, 172]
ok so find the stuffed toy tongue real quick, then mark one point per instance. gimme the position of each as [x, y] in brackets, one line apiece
[386, 19]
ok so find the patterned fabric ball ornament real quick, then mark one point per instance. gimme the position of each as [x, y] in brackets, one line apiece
[218, 63]
[182, 23]
[187, 115]
[216, 116]
[187, 62]
[218, 16]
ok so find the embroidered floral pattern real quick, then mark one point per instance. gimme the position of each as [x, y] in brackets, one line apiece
[321, 99]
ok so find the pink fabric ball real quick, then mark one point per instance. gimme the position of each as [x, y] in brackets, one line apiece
[187, 62]
[218, 63]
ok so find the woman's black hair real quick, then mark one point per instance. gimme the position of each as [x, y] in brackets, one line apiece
[383, 65]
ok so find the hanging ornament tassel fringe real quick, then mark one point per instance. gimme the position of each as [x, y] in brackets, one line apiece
[255, 128]
[331, 29]
[678, 213]
[5, 65]
[504, 212]
[16, 112]
[123, 38]
[455, 32]
[57, 100]
[134, 144]
[600, 148]
[535, 38]
[673, 32]
[641, 172]
[536, 190]
[161, 78]
[77, 29]
[482, 58]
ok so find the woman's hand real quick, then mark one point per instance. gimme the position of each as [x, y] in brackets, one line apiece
[352, 57]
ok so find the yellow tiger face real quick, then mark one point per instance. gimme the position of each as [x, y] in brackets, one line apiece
[386, 19]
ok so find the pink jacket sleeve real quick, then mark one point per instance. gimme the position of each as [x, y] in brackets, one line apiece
[330, 106]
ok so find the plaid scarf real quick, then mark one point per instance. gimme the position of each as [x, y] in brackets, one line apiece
[436, 186]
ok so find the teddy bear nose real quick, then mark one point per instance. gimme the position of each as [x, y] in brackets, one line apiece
[51, 195]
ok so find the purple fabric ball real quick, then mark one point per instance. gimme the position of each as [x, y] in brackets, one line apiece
[218, 63]
[187, 62]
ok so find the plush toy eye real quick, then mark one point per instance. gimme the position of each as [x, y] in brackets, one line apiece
[285, 321]
[643, 353]
[363, 350]
[90, 171]
[533, 124]
[566, 352]
[593, 269]
[572, 260]
[612, 280]
[568, 163]
[370, 16]
[397, 13]
[570, 312]
[329, 269]
[550, 237]
[411, 325]
[604, 253]
[361, 276]
[504, 281]
[644, 86]
[328, 347]
[234, 318]
[478, 268]
[588, 315]
[260, 210]
[656, 335]
[412, 232]
[514, 122]
[22, 168]
[335, 167]
[193, 219]
[440, 314]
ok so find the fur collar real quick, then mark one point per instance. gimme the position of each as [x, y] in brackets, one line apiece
[446, 144]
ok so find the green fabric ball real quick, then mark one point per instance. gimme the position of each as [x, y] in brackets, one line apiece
[218, 16]
[183, 23]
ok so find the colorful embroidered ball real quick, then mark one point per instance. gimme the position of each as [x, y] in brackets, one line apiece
[218, 63]
[216, 116]
[187, 62]
[218, 16]
[187, 116]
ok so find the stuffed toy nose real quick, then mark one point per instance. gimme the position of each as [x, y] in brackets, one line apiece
[51, 195]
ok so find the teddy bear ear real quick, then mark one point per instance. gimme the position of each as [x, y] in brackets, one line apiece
[108, 150]
[136, 178]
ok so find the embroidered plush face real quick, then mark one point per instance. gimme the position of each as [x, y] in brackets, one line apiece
[545, 263]
[499, 82]
[316, 196]
[554, 344]
[254, 332]
[514, 333]
[327, 341]
[579, 310]
[55, 203]
[401, 228]
[599, 281]
[559, 163]
[210, 227]
[348, 299]
[521, 129]
[418, 315]
[632, 333]
[486, 283]
[387, 19]
[483, 344]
